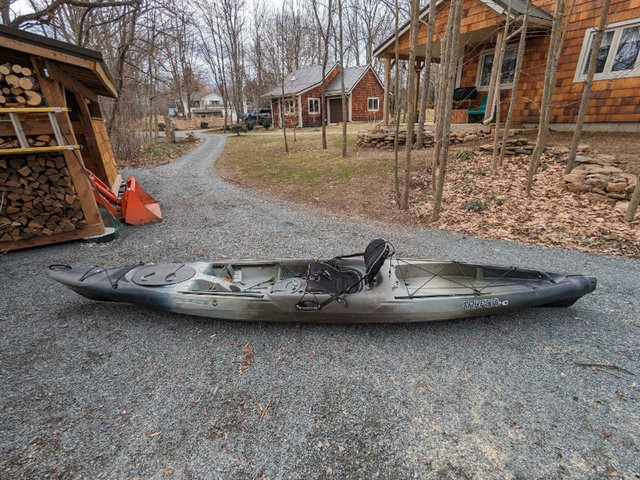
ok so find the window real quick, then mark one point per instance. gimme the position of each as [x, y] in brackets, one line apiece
[373, 104]
[314, 106]
[290, 107]
[619, 52]
[486, 64]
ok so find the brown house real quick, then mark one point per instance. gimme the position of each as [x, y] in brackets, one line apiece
[302, 91]
[615, 101]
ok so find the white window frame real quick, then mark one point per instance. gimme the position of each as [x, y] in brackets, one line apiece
[607, 74]
[310, 102]
[289, 106]
[377, 99]
[483, 54]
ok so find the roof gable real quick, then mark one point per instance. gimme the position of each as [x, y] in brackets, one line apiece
[498, 6]
[82, 63]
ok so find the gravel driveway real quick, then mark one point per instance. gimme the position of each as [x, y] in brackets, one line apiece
[114, 391]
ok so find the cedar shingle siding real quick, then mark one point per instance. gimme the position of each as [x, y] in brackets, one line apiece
[612, 101]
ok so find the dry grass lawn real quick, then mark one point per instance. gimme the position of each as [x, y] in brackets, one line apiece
[476, 202]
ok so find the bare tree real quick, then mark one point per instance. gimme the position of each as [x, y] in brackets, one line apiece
[497, 104]
[43, 13]
[633, 204]
[426, 79]
[396, 104]
[555, 47]
[411, 106]
[445, 102]
[588, 83]
[516, 80]
[325, 33]
[344, 95]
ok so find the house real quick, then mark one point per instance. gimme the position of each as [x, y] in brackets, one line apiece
[615, 99]
[206, 104]
[303, 88]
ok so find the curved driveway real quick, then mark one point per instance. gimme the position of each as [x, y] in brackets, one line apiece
[91, 387]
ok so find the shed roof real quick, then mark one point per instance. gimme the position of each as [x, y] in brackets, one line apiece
[84, 65]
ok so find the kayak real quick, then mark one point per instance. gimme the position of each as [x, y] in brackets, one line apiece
[375, 286]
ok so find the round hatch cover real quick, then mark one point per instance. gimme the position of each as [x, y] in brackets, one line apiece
[161, 275]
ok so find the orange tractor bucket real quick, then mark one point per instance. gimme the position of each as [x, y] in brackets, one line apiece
[136, 207]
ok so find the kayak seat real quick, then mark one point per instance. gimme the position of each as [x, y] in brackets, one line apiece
[334, 280]
[374, 256]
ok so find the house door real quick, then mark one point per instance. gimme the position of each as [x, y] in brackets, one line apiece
[335, 110]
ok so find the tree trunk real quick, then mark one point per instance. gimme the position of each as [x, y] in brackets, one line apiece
[451, 67]
[516, 80]
[555, 46]
[411, 106]
[426, 79]
[440, 110]
[496, 105]
[396, 106]
[588, 83]
[633, 205]
[344, 95]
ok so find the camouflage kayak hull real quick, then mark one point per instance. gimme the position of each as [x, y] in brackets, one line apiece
[278, 290]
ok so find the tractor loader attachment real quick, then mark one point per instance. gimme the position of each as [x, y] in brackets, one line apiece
[136, 207]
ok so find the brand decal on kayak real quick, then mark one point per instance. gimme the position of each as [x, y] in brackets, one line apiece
[197, 301]
[484, 303]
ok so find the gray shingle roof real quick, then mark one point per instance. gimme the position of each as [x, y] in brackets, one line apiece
[299, 80]
[351, 76]
[306, 78]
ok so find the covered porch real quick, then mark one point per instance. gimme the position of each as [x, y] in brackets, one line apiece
[481, 34]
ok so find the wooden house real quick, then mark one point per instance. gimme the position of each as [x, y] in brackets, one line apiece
[615, 100]
[48, 137]
[302, 92]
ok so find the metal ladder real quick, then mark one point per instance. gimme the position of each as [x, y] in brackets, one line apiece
[14, 118]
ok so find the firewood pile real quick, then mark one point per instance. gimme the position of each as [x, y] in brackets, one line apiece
[18, 86]
[385, 138]
[37, 198]
[34, 141]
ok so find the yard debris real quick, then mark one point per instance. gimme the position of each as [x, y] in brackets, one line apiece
[247, 360]
[595, 366]
[265, 410]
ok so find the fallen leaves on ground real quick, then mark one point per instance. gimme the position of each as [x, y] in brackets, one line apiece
[483, 204]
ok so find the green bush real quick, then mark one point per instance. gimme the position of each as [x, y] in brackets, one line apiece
[237, 128]
[204, 124]
[475, 205]
[266, 123]
[250, 126]
[464, 154]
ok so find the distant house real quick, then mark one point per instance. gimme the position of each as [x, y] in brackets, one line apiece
[302, 89]
[207, 104]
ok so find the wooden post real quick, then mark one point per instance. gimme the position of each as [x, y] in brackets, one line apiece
[416, 95]
[387, 84]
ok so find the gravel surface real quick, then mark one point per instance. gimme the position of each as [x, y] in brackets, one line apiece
[90, 389]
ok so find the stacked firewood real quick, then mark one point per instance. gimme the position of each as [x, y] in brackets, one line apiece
[18, 86]
[34, 141]
[37, 198]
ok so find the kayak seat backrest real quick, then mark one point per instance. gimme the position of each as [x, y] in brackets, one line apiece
[374, 256]
[325, 278]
